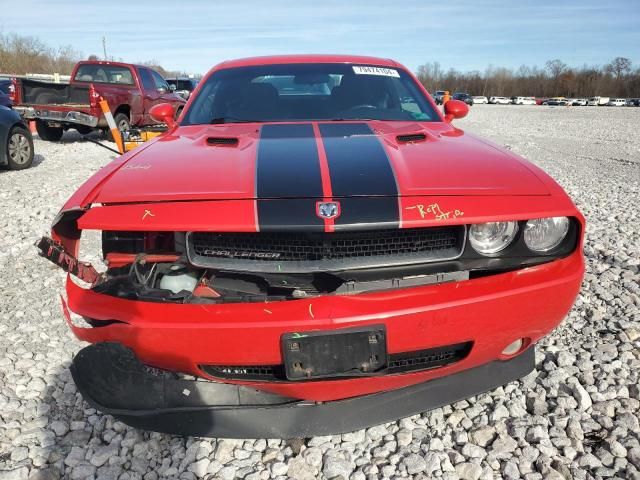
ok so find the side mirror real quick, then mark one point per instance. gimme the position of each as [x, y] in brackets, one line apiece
[172, 88]
[455, 109]
[163, 113]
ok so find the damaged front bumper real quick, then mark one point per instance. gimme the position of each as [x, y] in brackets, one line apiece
[113, 380]
[202, 339]
[237, 347]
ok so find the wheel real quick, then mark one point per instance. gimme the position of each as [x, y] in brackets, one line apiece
[19, 148]
[47, 133]
[83, 129]
[122, 122]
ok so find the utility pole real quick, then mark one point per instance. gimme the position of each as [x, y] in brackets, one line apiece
[104, 47]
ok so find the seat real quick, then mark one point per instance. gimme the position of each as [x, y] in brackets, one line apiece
[260, 101]
[355, 90]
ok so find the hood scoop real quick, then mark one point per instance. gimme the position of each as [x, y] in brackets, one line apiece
[222, 141]
[411, 138]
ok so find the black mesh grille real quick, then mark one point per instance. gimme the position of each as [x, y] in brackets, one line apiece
[304, 247]
[398, 363]
[430, 358]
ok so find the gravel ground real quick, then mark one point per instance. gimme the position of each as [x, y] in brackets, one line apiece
[575, 417]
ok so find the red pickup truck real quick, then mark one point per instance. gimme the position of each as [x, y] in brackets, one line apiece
[130, 90]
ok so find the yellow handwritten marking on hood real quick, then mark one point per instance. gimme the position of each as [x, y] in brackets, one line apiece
[434, 210]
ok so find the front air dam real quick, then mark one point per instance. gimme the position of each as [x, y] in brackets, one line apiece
[113, 380]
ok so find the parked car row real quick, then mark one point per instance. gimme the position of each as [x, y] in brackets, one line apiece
[559, 101]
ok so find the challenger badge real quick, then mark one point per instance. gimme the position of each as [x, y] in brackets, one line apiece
[328, 209]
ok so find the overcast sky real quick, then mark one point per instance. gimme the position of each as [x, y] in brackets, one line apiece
[466, 35]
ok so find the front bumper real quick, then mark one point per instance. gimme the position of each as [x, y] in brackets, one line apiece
[491, 312]
[113, 380]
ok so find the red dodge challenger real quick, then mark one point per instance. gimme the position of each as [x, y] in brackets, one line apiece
[312, 248]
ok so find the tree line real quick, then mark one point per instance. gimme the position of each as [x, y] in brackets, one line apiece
[616, 79]
[20, 55]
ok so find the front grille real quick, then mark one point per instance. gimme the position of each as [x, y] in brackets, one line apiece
[398, 363]
[297, 251]
[429, 358]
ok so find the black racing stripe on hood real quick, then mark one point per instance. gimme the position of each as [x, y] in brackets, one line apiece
[287, 168]
[289, 214]
[359, 167]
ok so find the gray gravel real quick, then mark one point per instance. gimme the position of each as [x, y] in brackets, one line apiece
[575, 417]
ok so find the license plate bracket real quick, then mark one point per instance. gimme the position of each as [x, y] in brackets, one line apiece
[350, 352]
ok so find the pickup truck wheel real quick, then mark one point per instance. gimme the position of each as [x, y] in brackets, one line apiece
[122, 122]
[50, 134]
[19, 149]
[84, 130]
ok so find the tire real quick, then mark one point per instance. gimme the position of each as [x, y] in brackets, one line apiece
[84, 130]
[19, 148]
[122, 122]
[47, 133]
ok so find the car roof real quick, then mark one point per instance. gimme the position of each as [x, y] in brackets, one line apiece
[284, 59]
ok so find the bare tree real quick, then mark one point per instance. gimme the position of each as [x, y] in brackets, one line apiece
[20, 55]
[619, 67]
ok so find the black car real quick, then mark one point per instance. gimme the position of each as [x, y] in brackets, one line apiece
[16, 144]
[463, 97]
[182, 86]
[5, 101]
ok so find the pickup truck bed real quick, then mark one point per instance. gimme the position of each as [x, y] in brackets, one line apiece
[39, 92]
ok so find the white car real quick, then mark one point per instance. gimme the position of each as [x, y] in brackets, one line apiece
[579, 102]
[500, 100]
[480, 99]
[597, 101]
[524, 101]
[617, 102]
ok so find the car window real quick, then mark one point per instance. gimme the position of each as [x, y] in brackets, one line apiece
[147, 79]
[98, 73]
[159, 81]
[292, 92]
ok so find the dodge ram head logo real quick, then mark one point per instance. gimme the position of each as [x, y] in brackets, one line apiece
[328, 209]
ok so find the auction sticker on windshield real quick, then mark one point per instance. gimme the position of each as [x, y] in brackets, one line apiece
[386, 72]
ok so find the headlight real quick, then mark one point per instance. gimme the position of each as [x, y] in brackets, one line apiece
[544, 234]
[492, 237]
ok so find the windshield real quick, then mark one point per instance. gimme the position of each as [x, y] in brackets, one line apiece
[293, 92]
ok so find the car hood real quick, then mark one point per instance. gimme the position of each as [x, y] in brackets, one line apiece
[310, 160]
